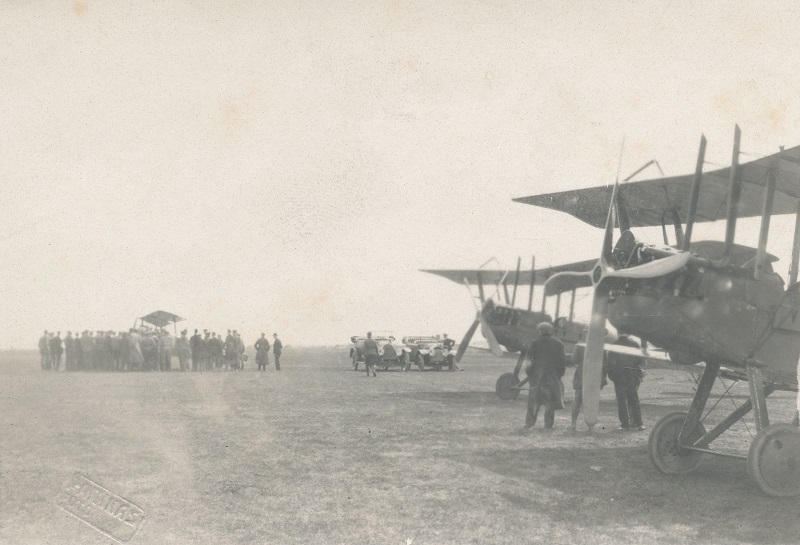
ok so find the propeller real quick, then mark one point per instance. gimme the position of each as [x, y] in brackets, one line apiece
[487, 332]
[486, 329]
[600, 278]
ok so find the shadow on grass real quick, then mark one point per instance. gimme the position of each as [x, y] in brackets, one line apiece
[598, 486]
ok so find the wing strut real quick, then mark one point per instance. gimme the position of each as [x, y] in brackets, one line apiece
[734, 193]
[698, 175]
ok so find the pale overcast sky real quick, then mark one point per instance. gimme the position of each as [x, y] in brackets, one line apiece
[289, 166]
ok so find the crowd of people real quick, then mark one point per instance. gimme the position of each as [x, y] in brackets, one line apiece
[142, 349]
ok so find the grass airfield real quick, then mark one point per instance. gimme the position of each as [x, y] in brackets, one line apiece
[318, 453]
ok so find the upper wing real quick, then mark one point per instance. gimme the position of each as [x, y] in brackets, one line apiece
[646, 201]
[488, 277]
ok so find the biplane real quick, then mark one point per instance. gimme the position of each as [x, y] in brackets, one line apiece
[509, 328]
[715, 302]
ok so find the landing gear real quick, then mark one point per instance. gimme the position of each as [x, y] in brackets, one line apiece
[679, 440]
[666, 451]
[773, 461]
[507, 387]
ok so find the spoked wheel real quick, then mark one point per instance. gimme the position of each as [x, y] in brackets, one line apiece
[506, 387]
[665, 452]
[774, 460]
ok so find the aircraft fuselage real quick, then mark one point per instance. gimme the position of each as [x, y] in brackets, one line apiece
[720, 314]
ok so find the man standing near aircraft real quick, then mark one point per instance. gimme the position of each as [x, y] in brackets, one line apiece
[370, 354]
[547, 366]
[277, 348]
[626, 373]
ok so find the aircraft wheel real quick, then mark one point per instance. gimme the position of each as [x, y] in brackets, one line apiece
[773, 461]
[505, 387]
[665, 452]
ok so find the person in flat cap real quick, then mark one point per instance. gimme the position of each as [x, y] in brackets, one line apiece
[545, 369]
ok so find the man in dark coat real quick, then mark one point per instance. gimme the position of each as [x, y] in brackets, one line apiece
[625, 371]
[547, 366]
[262, 352]
[277, 348]
[370, 354]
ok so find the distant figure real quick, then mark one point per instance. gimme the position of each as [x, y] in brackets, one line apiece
[184, 351]
[124, 347]
[69, 352]
[166, 346]
[44, 351]
[577, 385]
[547, 366]
[87, 348]
[262, 352]
[239, 350]
[370, 354]
[231, 356]
[215, 349]
[56, 349]
[448, 345]
[277, 348]
[194, 344]
[205, 352]
[135, 350]
[626, 373]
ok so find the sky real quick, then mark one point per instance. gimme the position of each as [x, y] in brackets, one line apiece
[290, 166]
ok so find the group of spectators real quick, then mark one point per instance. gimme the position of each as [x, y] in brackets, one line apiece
[140, 349]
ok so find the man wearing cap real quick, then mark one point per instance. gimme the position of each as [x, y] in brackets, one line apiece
[546, 367]
[184, 350]
[262, 352]
[370, 354]
[277, 348]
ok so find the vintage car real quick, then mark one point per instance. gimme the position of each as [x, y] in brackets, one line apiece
[390, 352]
[429, 352]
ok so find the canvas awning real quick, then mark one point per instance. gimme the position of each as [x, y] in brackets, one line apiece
[161, 318]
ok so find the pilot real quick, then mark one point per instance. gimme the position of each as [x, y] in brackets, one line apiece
[370, 354]
[626, 373]
[546, 367]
